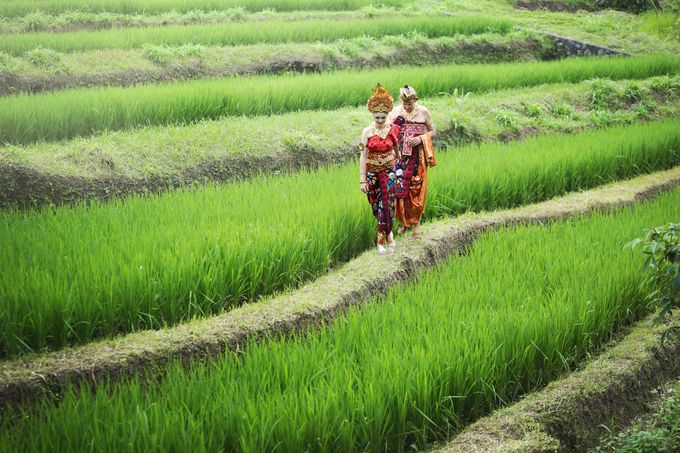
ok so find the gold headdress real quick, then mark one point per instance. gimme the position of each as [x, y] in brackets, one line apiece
[408, 94]
[381, 101]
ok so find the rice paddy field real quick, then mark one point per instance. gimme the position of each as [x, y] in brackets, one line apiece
[166, 162]
[245, 33]
[72, 113]
[263, 235]
[13, 8]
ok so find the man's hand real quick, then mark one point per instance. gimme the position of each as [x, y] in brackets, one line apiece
[414, 141]
[364, 186]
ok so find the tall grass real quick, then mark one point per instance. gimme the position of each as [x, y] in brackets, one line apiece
[525, 305]
[14, 8]
[78, 273]
[664, 24]
[252, 33]
[70, 113]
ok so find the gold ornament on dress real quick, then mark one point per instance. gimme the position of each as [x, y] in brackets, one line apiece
[411, 115]
[381, 101]
[376, 162]
[379, 132]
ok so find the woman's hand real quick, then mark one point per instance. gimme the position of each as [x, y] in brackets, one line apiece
[414, 141]
[364, 186]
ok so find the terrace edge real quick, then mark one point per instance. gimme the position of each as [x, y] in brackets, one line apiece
[568, 414]
[355, 283]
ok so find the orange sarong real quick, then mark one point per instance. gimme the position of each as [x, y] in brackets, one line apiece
[409, 210]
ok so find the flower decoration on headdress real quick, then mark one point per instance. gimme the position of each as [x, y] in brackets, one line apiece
[381, 101]
[408, 94]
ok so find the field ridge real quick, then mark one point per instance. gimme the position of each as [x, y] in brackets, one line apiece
[165, 64]
[39, 375]
[568, 414]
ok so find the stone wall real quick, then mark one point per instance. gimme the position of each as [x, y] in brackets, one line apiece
[568, 47]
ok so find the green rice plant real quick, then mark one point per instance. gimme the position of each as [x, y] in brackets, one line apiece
[71, 113]
[273, 31]
[15, 8]
[70, 20]
[500, 175]
[522, 307]
[73, 274]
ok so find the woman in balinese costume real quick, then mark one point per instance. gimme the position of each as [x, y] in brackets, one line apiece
[416, 155]
[376, 165]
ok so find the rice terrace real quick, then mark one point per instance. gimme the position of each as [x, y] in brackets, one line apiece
[340, 226]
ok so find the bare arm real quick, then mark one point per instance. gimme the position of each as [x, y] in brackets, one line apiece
[362, 161]
[362, 164]
[431, 130]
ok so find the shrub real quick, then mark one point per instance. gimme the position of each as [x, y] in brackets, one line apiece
[507, 119]
[47, 58]
[533, 109]
[602, 94]
[7, 62]
[563, 109]
[632, 6]
[164, 55]
[661, 247]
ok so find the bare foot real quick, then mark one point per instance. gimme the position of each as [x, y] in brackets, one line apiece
[391, 244]
[381, 243]
[402, 229]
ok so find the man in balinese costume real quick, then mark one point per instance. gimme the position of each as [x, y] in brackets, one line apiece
[376, 165]
[416, 155]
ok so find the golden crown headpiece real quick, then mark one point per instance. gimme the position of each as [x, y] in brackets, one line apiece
[408, 94]
[381, 101]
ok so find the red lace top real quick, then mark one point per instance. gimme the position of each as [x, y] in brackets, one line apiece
[380, 145]
[380, 156]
